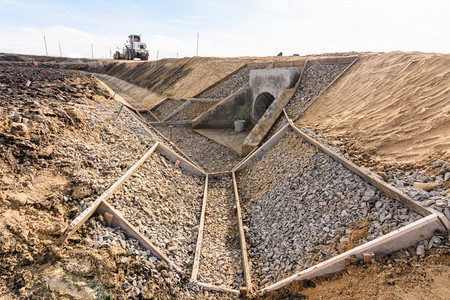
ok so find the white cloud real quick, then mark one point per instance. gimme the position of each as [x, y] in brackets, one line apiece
[243, 28]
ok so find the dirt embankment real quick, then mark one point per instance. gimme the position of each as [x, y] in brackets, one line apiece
[59, 145]
[180, 78]
[389, 111]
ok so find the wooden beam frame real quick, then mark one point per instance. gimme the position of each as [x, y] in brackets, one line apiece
[168, 123]
[173, 156]
[198, 247]
[216, 288]
[404, 237]
[219, 174]
[120, 221]
[78, 221]
[205, 100]
[135, 113]
[246, 265]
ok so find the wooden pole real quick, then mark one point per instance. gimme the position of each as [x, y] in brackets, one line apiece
[247, 275]
[198, 37]
[200, 234]
[45, 43]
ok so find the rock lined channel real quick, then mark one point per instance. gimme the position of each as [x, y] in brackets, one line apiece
[308, 208]
[164, 202]
[221, 259]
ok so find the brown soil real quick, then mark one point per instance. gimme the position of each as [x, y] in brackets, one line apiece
[389, 111]
[386, 278]
[41, 189]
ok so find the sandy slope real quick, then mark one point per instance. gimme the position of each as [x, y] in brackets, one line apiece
[393, 106]
[185, 77]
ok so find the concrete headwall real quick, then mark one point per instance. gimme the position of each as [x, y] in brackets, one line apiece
[272, 81]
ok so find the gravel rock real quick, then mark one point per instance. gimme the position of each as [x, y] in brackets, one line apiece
[221, 259]
[315, 79]
[303, 205]
[163, 202]
[231, 85]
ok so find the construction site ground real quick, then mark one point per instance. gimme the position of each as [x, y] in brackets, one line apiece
[64, 141]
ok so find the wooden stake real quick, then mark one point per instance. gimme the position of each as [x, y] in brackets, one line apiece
[368, 256]
[171, 132]
[217, 288]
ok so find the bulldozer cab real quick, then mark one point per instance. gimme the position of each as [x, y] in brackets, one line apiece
[134, 38]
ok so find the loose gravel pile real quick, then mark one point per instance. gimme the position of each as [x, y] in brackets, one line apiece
[221, 259]
[193, 110]
[164, 202]
[231, 85]
[210, 156]
[165, 109]
[437, 197]
[307, 208]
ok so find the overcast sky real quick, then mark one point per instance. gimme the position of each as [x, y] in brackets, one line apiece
[226, 27]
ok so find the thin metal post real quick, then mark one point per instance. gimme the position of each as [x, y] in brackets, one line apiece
[60, 52]
[157, 54]
[45, 43]
[198, 36]
[92, 50]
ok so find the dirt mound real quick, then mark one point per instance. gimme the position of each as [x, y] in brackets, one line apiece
[394, 277]
[391, 110]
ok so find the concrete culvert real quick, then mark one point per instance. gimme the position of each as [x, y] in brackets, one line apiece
[261, 104]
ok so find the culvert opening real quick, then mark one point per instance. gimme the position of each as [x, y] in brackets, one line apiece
[262, 103]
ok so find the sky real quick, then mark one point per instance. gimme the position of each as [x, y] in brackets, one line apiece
[226, 28]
